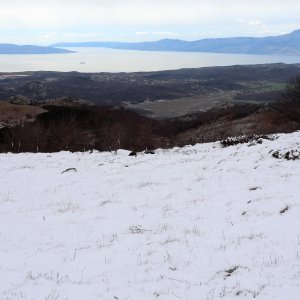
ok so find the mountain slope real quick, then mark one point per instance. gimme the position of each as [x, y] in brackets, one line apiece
[200, 222]
[288, 44]
[30, 49]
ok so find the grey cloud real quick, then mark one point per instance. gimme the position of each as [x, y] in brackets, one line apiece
[92, 13]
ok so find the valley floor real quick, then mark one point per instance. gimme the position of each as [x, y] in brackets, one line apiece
[199, 222]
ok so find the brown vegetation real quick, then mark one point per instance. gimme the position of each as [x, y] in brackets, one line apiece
[82, 128]
[12, 114]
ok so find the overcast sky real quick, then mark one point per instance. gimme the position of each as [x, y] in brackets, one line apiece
[46, 22]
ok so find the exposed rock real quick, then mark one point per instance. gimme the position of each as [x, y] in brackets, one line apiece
[149, 152]
[132, 153]
[22, 100]
[68, 101]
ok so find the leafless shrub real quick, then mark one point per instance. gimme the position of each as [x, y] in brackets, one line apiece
[231, 141]
[230, 271]
[293, 154]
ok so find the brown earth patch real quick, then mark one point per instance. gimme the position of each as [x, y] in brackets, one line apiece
[12, 114]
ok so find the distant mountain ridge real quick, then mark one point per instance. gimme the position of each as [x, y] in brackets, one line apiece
[287, 44]
[30, 49]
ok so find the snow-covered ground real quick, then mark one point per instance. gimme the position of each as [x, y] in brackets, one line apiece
[200, 222]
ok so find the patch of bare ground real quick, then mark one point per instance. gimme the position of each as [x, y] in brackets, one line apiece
[164, 109]
[263, 121]
[12, 114]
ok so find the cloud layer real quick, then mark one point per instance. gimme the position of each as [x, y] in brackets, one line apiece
[203, 17]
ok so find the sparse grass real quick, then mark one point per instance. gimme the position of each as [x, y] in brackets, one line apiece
[68, 207]
[250, 237]
[107, 241]
[53, 295]
[7, 197]
[195, 231]
[56, 277]
[105, 202]
[166, 209]
[266, 86]
[137, 229]
[254, 293]
[169, 240]
[144, 184]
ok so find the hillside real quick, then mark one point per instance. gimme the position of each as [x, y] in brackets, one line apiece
[30, 49]
[161, 94]
[199, 222]
[288, 44]
[11, 115]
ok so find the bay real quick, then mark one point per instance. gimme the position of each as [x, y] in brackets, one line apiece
[111, 60]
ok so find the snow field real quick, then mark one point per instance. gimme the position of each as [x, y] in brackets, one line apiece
[199, 222]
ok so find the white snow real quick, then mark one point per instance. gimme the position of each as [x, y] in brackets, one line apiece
[199, 222]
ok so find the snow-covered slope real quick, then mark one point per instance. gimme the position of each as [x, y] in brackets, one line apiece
[200, 222]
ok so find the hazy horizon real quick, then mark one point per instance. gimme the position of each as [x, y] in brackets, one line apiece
[145, 40]
[42, 23]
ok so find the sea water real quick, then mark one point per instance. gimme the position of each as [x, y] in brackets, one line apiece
[111, 60]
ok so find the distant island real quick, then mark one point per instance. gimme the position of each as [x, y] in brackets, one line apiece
[30, 49]
[288, 44]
